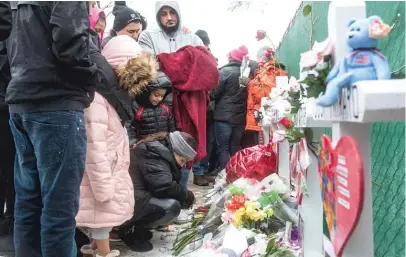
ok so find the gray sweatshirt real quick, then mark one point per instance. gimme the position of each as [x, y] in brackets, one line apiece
[158, 41]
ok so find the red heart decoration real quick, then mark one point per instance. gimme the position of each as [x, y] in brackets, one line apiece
[342, 184]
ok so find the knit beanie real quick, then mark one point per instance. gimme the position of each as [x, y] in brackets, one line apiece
[120, 49]
[124, 16]
[239, 53]
[180, 146]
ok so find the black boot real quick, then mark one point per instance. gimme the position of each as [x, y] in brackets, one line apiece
[6, 238]
[138, 240]
[81, 239]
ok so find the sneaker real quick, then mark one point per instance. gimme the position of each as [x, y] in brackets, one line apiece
[184, 217]
[112, 253]
[88, 251]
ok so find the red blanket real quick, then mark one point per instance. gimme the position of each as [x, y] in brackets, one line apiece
[193, 72]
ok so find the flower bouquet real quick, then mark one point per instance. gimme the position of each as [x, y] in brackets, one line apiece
[315, 65]
[277, 111]
[241, 204]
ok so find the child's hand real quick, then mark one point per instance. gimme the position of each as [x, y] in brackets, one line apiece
[133, 146]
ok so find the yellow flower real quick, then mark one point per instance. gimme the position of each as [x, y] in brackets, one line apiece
[237, 221]
[250, 208]
[258, 215]
[240, 212]
[238, 215]
[270, 212]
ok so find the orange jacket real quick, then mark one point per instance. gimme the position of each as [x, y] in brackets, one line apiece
[261, 86]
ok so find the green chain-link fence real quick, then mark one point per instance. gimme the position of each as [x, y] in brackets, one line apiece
[387, 138]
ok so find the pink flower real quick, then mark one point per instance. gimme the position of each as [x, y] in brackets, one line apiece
[261, 34]
[278, 136]
[313, 57]
[294, 85]
[309, 59]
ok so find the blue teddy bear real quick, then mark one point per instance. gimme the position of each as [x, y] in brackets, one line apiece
[365, 62]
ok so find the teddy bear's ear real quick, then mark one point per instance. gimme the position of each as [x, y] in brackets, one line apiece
[375, 18]
[351, 22]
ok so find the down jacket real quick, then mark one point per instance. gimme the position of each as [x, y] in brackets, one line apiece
[155, 172]
[106, 192]
[150, 119]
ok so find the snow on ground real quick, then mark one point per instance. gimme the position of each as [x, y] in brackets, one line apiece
[163, 241]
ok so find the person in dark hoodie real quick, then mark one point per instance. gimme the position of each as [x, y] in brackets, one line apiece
[53, 80]
[7, 154]
[151, 115]
[7, 148]
[126, 22]
[230, 108]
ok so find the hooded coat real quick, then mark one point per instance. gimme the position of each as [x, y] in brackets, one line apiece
[159, 41]
[150, 119]
[155, 172]
[106, 191]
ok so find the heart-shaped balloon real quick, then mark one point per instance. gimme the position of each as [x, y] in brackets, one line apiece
[342, 184]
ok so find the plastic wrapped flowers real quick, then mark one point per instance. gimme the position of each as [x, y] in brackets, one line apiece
[256, 207]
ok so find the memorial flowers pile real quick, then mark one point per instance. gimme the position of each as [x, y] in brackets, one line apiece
[256, 207]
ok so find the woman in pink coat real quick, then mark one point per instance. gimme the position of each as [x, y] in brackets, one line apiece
[106, 192]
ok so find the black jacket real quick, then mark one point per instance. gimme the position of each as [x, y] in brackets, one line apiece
[108, 86]
[155, 173]
[5, 76]
[5, 20]
[49, 58]
[150, 119]
[230, 99]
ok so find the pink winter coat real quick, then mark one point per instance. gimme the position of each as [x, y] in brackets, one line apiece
[106, 192]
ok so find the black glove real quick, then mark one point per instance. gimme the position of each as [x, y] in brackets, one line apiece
[190, 200]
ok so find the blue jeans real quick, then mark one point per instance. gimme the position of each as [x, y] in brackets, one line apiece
[228, 140]
[184, 177]
[49, 166]
[200, 167]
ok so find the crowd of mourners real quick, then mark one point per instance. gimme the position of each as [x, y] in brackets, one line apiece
[99, 133]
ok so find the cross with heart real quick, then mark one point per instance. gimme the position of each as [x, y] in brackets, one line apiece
[342, 185]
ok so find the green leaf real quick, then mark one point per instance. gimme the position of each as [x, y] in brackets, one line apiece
[307, 10]
[264, 201]
[270, 246]
[309, 135]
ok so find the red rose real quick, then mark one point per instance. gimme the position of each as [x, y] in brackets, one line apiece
[286, 122]
[268, 55]
[261, 34]
[236, 202]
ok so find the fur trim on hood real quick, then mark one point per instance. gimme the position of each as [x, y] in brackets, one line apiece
[137, 74]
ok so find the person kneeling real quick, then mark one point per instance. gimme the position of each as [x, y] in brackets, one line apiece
[155, 171]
